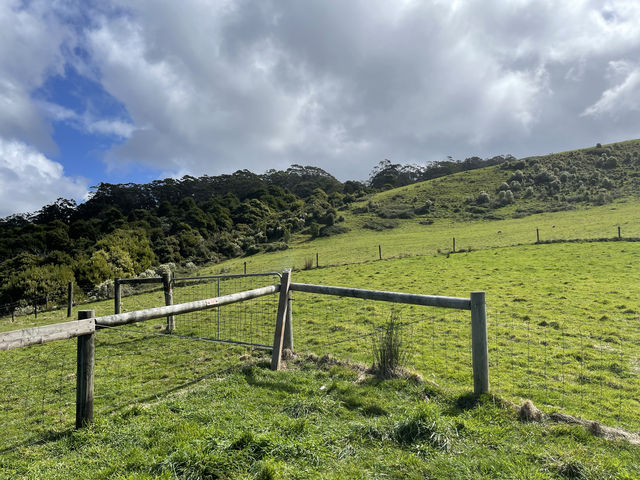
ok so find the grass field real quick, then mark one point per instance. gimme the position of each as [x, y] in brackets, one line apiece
[564, 331]
[322, 421]
[412, 238]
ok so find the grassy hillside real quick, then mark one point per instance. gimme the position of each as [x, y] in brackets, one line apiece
[563, 331]
[323, 421]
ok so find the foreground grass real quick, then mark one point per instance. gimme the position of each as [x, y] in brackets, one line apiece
[322, 421]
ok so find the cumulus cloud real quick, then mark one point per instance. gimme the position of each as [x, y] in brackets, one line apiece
[344, 84]
[211, 87]
[30, 180]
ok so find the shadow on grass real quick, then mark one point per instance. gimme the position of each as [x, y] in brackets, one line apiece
[268, 383]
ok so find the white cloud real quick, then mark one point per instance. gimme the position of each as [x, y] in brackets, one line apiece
[623, 97]
[30, 51]
[87, 122]
[344, 84]
[29, 180]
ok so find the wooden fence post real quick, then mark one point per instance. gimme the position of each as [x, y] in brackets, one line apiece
[317, 260]
[380, 252]
[537, 236]
[479, 343]
[619, 233]
[168, 300]
[69, 298]
[288, 326]
[116, 296]
[278, 336]
[84, 374]
[245, 268]
[454, 244]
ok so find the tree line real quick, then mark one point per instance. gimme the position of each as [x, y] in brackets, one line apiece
[125, 229]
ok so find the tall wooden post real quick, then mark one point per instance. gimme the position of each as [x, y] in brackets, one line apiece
[84, 374]
[278, 336]
[317, 263]
[479, 343]
[117, 301]
[245, 268]
[454, 244]
[380, 252]
[168, 300]
[288, 326]
[69, 299]
[619, 232]
[537, 236]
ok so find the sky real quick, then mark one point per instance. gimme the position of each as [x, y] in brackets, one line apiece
[133, 91]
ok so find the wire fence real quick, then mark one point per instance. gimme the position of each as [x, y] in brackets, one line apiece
[591, 371]
[437, 341]
[134, 364]
[37, 392]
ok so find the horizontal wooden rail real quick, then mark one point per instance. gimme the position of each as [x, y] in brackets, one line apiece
[229, 276]
[395, 297]
[46, 333]
[123, 281]
[158, 312]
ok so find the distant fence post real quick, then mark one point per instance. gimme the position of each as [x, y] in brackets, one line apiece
[69, 298]
[116, 296]
[317, 263]
[537, 236]
[278, 336]
[245, 268]
[479, 343]
[619, 232]
[168, 300]
[454, 244]
[380, 252]
[84, 374]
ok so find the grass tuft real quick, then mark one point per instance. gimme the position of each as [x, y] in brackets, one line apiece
[390, 350]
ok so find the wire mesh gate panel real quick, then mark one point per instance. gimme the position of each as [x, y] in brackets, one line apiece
[250, 322]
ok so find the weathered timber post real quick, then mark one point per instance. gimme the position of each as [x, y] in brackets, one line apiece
[278, 336]
[288, 326]
[245, 268]
[537, 236]
[619, 233]
[218, 311]
[13, 314]
[380, 252]
[454, 244]
[84, 374]
[69, 298]
[317, 263]
[168, 300]
[116, 296]
[479, 343]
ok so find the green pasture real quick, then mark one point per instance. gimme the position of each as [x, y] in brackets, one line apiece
[321, 420]
[410, 237]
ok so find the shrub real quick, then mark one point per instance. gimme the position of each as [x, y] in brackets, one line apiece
[390, 349]
[482, 198]
[503, 186]
[396, 211]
